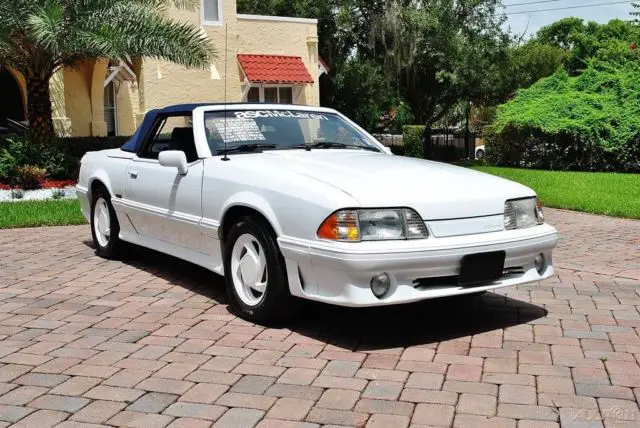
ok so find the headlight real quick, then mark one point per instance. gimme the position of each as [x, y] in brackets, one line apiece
[373, 225]
[522, 213]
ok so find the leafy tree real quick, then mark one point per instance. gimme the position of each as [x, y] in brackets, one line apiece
[584, 40]
[635, 12]
[39, 37]
[525, 65]
[440, 52]
[563, 33]
[360, 92]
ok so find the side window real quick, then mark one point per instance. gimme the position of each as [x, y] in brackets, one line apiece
[171, 133]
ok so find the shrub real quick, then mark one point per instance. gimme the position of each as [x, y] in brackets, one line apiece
[78, 146]
[404, 116]
[412, 137]
[23, 151]
[7, 164]
[57, 194]
[29, 177]
[61, 160]
[589, 122]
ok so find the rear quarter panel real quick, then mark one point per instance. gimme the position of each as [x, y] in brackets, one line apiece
[107, 166]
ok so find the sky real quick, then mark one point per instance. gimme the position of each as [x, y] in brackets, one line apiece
[532, 22]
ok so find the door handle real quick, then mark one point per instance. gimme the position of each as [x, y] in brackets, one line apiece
[133, 173]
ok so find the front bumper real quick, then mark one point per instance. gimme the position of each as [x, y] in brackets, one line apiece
[340, 273]
[85, 206]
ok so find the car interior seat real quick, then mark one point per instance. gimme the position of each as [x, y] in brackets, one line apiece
[182, 139]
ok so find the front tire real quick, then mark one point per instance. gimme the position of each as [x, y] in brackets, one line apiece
[255, 272]
[480, 154]
[105, 228]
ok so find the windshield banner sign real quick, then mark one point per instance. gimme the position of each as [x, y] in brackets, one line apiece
[254, 114]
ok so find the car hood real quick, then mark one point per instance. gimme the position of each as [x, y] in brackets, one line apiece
[435, 190]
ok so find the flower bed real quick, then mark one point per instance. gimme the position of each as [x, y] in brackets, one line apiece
[51, 189]
[47, 184]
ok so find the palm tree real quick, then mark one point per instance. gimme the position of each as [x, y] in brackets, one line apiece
[39, 37]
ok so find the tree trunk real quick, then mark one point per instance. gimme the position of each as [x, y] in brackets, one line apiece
[39, 109]
[467, 133]
[427, 144]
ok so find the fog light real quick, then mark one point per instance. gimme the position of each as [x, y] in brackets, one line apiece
[380, 285]
[539, 263]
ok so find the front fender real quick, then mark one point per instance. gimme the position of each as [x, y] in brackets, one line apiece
[253, 201]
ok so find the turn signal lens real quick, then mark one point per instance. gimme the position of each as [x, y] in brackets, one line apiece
[340, 226]
[539, 211]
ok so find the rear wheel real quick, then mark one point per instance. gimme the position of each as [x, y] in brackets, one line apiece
[255, 272]
[105, 228]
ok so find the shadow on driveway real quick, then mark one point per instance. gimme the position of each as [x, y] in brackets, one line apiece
[360, 329]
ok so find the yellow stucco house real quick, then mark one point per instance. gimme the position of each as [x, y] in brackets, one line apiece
[260, 58]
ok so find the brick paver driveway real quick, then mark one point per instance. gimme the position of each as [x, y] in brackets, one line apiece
[150, 342]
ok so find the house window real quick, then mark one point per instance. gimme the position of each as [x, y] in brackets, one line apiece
[270, 94]
[111, 109]
[285, 95]
[254, 95]
[212, 11]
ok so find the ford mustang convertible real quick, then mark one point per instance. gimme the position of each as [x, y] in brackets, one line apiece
[292, 202]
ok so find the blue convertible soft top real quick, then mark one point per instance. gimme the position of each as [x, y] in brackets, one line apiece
[134, 143]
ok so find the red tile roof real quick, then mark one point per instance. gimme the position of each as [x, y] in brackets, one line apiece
[274, 69]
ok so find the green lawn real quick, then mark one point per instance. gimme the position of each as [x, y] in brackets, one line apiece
[615, 195]
[40, 213]
[599, 193]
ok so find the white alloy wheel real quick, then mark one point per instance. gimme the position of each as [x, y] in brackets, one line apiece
[102, 222]
[249, 270]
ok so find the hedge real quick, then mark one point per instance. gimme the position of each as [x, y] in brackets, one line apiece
[589, 122]
[412, 137]
[60, 160]
[78, 146]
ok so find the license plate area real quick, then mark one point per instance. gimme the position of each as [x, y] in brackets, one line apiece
[482, 267]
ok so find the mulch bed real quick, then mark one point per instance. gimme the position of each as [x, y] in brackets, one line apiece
[46, 184]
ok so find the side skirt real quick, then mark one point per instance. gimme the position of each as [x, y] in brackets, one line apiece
[200, 259]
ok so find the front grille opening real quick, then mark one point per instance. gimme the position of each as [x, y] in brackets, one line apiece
[454, 280]
[442, 281]
[515, 270]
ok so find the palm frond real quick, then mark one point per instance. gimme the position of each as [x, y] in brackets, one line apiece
[61, 32]
[136, 28]
[46, 26]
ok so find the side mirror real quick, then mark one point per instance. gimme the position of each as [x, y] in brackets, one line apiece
[174, 159]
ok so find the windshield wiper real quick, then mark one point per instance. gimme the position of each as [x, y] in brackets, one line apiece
[247, 148]
[333, 145]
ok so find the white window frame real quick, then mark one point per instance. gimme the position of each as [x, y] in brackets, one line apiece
[261, 88]
[220, 14]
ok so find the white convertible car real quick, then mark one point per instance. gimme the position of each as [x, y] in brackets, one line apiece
[300, 202]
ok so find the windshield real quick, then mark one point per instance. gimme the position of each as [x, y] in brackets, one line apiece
[258, 130]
